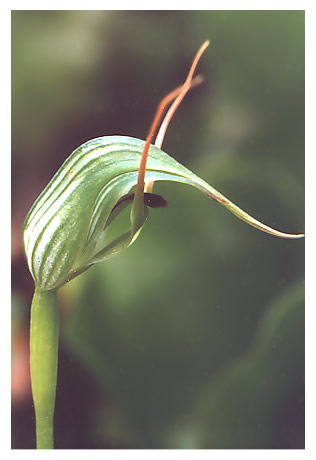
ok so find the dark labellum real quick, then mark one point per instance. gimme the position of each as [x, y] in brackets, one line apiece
[150, 199]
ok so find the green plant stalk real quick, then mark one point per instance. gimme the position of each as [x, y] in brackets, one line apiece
[44, 335]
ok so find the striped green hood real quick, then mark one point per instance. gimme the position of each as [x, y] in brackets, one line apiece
[64, 231]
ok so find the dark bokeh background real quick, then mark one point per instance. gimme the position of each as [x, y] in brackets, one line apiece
[194, 337]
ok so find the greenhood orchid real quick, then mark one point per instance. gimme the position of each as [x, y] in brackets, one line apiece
[64, 233]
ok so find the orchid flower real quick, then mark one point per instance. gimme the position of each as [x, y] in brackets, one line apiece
[64, 232]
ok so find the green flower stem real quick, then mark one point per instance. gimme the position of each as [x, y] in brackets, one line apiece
[44, 336]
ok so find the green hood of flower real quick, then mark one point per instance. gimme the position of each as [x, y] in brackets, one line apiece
[65, 229]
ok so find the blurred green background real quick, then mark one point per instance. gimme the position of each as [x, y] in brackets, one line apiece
[194, 337]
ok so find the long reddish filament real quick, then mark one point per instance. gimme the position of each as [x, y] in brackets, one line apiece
[162, 105]
[176, 103]
[177, 93]
[196, 81]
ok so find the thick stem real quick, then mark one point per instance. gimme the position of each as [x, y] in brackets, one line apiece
[44, 336]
